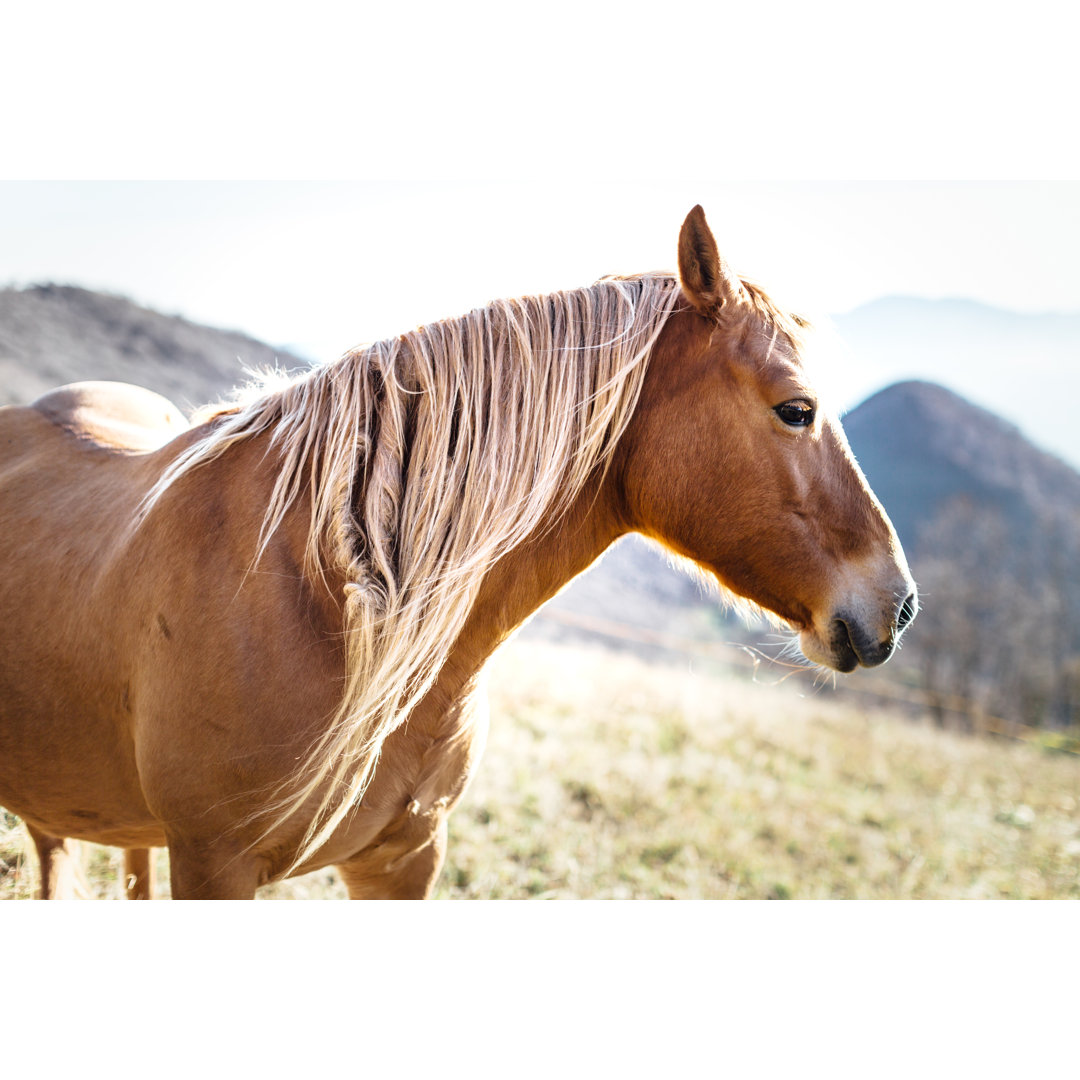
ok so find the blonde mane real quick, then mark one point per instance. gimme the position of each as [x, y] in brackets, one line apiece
[426, 458]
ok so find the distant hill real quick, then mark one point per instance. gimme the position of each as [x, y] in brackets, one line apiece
[921, 445]
[991, 528]
[1016, 362]
[55, 334]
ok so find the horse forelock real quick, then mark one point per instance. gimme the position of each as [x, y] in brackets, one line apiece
[424, 459]
[767, 309]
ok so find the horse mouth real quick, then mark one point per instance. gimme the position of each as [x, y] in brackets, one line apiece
[845, 657]
[853, 645]
[845, 646]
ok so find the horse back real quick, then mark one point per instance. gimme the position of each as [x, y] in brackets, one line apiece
[76, 463]
[113, 415]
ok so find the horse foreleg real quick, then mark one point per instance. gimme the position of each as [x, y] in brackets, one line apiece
[207, 872]
[58, 860]
[138, 874]
[410, 876]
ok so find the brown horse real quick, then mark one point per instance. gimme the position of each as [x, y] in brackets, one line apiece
[211, 637]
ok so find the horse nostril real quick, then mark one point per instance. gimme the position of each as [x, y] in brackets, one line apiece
[908, 610]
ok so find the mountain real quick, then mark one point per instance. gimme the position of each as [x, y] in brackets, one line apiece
[1012, 363]
[55, 334]
[922, 445]
[991, 527]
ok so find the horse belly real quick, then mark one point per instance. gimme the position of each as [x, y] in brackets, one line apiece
[65, 768]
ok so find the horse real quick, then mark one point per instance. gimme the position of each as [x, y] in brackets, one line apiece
[258, 637]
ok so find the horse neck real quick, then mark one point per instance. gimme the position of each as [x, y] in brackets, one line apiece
[531, 574]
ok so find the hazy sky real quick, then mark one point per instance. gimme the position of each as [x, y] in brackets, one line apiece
[323, 266]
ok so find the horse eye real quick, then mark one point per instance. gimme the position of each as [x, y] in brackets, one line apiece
[796, 413]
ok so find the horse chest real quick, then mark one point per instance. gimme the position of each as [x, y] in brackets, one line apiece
[423, 772]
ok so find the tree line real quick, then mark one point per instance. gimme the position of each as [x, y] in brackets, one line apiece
[1000, 619]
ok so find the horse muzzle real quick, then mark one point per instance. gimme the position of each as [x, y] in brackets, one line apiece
[854, 637]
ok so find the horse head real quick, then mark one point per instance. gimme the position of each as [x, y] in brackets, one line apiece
[734, 461]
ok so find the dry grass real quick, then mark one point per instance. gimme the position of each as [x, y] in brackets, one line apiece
[607, 777]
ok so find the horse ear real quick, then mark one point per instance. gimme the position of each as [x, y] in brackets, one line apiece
[706, 279]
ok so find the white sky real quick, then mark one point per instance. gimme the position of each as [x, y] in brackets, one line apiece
[324, 265]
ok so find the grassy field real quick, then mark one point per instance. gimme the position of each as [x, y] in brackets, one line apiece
[606, 777]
